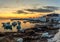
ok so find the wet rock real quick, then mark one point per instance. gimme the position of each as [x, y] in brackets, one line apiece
[20, 40]
[14, 24]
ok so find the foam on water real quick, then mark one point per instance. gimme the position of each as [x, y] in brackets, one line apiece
[56, 38]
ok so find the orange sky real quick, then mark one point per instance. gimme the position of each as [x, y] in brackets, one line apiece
[10, 15]
[7, 13]
[14, 15]
[9, 6]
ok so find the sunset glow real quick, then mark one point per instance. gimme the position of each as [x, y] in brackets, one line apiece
[7, 9]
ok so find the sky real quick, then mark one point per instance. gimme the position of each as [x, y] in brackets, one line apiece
[9, 7]
[16, 3]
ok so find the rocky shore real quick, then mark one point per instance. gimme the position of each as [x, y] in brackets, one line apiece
[30, 35]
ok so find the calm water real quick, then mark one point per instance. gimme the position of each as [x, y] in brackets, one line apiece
[23, 25]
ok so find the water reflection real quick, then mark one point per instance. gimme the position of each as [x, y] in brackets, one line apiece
[24, 24]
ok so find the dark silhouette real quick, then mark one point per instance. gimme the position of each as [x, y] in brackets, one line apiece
[14, 24]
[18, 28]
[18, 22]
[7, 26]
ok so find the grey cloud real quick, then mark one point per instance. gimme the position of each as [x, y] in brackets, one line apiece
[20, 11]
[44, 9]
[39, 10]
[51, 7]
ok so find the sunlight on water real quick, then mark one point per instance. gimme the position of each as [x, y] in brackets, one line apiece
[23, 25]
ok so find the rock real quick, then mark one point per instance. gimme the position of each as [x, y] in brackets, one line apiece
[20, 40]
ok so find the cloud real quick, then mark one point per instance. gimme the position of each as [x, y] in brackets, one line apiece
[44, 9]
[39, 10]
[20, 11]
[51, 7]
